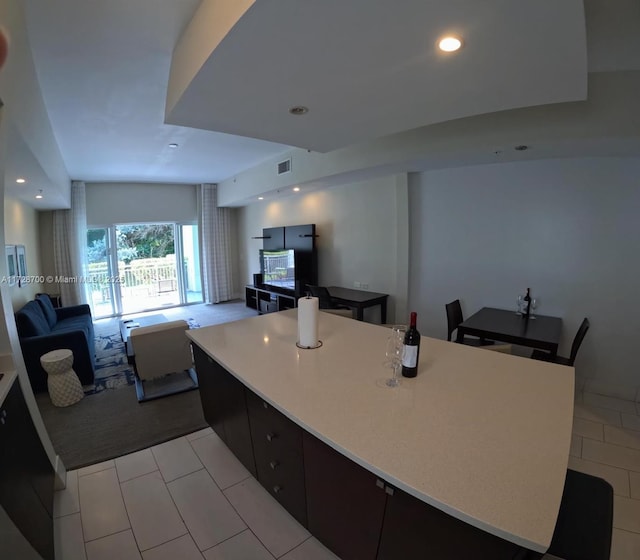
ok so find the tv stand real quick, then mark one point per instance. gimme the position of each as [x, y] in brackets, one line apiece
[265, 300]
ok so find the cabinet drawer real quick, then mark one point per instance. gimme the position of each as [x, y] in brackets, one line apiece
[277, 448]
[271, 430]
[282, 475]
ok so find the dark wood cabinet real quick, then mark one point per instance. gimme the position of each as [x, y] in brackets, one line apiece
[277, 449]
[414, 529]
[26, 474]
[224, 406]
[266, 301]
[350, 510]
[273, 238]
[302, 240]
[251, 297]
[345, 503]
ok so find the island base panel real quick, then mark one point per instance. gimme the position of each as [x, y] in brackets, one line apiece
[345, 503]
[224, 406]
[413, 529]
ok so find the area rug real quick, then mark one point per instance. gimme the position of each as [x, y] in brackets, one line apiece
[110, 422]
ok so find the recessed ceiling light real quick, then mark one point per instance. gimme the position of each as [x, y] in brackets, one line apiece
[296, 189]
[39, 195]
[21, 180]
[261, 198]
[173, 145]
[299, 110]
[449, 44]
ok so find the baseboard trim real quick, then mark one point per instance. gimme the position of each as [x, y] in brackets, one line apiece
[609, 389]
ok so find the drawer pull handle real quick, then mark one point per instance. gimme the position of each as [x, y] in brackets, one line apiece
[3, 413]
[2, 421]
[271, 437]
[264, 405]
[389, 490]
[274, 465]
[277, 489]
[379, 483]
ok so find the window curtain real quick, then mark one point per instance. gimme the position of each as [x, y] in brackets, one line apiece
[69, 247]
[215, 253]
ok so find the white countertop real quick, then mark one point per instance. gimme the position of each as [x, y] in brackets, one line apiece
[481, 435]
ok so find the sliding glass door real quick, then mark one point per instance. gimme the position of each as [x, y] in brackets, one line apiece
[101, 288]
[141, 267]
[189, 248]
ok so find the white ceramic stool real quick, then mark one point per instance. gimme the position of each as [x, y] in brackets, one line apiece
[63, 383]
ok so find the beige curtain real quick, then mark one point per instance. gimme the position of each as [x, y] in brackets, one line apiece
[215, 227]
[69, 247]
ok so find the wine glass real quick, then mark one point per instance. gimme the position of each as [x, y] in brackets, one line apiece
[520, 305]
[534, 303]
[393, 353]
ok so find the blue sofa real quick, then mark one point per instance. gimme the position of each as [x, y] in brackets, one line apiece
[42, 328]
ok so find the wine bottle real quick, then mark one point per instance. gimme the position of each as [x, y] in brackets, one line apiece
[527, 299]
[411, 348]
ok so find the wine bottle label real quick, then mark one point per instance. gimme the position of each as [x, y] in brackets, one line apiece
[410, 356]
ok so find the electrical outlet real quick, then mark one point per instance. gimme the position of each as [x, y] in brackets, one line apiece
[365, 286]
[356, 284]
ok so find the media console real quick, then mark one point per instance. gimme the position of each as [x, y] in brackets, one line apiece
[264, 300]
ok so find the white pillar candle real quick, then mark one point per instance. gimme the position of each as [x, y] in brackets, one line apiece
[308, 322]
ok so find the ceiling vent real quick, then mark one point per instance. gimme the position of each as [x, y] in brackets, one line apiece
[284, 167]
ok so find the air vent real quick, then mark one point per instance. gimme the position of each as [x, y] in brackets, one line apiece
[284, 167]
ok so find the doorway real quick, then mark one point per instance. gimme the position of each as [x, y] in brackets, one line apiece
[134, 267]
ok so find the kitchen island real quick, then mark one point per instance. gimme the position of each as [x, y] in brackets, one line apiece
[481, 437]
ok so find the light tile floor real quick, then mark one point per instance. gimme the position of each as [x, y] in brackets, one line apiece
[190, 498]
[187, 499]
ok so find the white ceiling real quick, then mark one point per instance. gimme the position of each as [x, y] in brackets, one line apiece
[365, 69]
[368, 69]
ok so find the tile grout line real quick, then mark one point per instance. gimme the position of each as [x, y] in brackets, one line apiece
[172, 501]
[248, 528]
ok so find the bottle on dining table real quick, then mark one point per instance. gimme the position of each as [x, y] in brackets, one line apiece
[527, 300]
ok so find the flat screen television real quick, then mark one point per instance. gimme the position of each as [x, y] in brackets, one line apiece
[278, 268]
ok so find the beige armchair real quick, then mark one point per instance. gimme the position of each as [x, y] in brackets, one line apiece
[160, 350]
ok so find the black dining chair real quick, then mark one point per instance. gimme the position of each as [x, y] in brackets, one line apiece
[575, 346]
[585, 520]
[454, 318]
[326, 303]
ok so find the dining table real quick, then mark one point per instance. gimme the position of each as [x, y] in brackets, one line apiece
[359, 300]
[534, 331]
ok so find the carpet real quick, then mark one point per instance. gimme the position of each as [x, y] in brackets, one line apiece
[109, 422]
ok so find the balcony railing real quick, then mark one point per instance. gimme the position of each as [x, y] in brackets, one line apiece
[142, 278]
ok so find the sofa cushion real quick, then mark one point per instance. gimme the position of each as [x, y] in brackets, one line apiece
[73, 324]
[48, 309]
[30, 320]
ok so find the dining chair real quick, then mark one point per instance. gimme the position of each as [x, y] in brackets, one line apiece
[584, 525]
[575, 346]
[326, 303]
[454, 318]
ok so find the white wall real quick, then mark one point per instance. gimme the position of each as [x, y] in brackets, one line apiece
[126, 203]
[21, 228]
[568, 229]
[359, 228]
